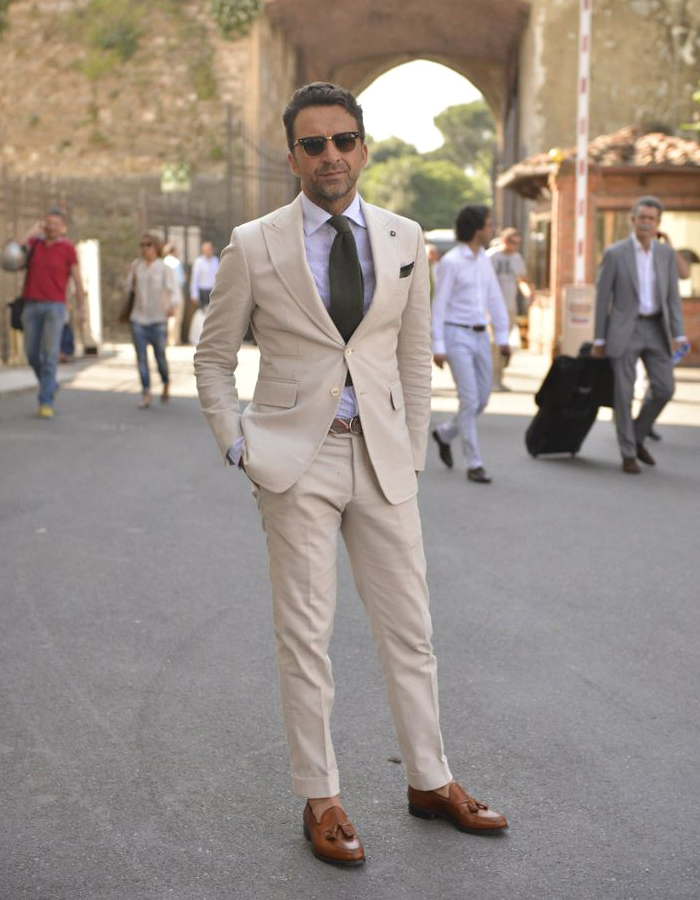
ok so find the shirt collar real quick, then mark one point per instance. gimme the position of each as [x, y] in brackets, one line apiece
[468, 252]
[315, 217]
[638, 246]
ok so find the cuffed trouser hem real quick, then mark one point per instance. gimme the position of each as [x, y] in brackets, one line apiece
[318, 786]
[430, 780]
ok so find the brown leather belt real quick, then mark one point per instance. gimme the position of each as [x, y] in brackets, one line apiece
[346, 426]
[652, 317]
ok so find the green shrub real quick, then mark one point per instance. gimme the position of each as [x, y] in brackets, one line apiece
[110, 29]
[3, 14]
[234, 17]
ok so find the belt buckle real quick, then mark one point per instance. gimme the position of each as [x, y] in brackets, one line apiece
[354, 426]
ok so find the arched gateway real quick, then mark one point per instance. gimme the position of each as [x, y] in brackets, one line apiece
[521, 54]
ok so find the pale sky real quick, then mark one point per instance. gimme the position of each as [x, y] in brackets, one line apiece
[404, 102]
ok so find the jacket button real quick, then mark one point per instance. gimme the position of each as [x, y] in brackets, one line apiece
[335, 392]
[349, 352]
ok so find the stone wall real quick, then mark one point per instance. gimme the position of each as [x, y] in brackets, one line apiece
[645, 65]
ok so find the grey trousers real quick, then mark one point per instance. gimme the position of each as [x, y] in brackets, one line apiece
[648, 343]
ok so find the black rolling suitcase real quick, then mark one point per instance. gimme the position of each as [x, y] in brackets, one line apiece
[568, 400]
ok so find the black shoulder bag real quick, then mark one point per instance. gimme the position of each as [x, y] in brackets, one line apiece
[17, 305]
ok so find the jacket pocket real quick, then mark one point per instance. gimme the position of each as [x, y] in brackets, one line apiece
[396, 392]
[269, 392]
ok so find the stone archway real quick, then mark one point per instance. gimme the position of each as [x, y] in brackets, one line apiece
[353, 44]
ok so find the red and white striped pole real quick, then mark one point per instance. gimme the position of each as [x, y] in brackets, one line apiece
[584, 85]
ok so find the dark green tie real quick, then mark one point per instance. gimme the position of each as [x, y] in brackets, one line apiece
[345, 275]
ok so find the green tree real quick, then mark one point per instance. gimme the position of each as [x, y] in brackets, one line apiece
[695, 124]
[429, 191]
[469, 133]
[391, 148]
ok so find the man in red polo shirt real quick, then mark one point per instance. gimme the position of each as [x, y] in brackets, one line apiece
[52, 263]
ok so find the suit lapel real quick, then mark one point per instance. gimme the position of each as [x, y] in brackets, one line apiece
[385, 257]
[284, 238]
[631, 260]
[660, 285]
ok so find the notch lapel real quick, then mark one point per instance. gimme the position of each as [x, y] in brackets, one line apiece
[631, 260]
[660, 280]
[284, 238]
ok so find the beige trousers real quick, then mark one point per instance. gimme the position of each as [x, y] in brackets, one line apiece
[339, 493]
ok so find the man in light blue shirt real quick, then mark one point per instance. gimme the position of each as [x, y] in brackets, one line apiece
[467, 297]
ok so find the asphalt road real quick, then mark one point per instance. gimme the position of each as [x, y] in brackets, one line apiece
[142, 755]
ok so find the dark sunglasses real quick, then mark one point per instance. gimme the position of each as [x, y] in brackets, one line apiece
[314, 146]
[146, 243]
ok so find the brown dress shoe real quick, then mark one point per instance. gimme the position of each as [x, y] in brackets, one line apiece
[644, 455]
[479, 475]
[333, 839]
[629, 465]
[465, 812]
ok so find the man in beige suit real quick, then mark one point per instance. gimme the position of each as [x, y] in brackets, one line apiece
[337, 294]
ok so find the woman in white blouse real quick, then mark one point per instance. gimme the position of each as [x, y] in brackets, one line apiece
[156, 297]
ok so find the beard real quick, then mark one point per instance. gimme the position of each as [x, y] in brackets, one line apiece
[334, 189]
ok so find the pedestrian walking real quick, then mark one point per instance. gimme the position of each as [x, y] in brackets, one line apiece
[52, 264]
[170, 257]
[468, 296]
[337, 292]
[511, 273]
[155, 297]
[638, 316]
[203, 275]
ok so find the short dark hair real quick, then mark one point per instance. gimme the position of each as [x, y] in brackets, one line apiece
[57, 211]
[321, 93]
[648, 200]
[470, 219]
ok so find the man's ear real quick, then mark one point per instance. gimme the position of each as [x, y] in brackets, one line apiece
[291, 159]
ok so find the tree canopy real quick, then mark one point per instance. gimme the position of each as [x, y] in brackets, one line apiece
[431, 187]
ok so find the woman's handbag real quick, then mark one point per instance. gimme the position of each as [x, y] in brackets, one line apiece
[128, 307]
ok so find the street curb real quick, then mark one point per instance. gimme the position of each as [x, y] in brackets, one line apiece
[26, 380]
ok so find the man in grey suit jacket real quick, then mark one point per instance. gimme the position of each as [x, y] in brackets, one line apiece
[638, 315]
[337, 293]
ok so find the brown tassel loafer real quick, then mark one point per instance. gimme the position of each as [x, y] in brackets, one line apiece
[464, 811]
[333, 839]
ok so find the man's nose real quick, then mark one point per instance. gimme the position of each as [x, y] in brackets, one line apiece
[330, 151]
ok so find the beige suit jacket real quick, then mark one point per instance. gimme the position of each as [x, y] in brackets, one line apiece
[264, 279]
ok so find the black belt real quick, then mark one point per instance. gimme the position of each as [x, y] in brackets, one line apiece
[346, 426]
[473, 327]
[653, 316]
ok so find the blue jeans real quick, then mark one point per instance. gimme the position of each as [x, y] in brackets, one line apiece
[42, 322]
[155, 335]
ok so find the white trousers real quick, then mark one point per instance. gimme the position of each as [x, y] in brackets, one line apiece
[339, 494]
[469, 355]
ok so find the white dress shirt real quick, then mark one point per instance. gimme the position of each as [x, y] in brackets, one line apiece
[468, 293]
[203, 275]
[318, 240]
[648, 305]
